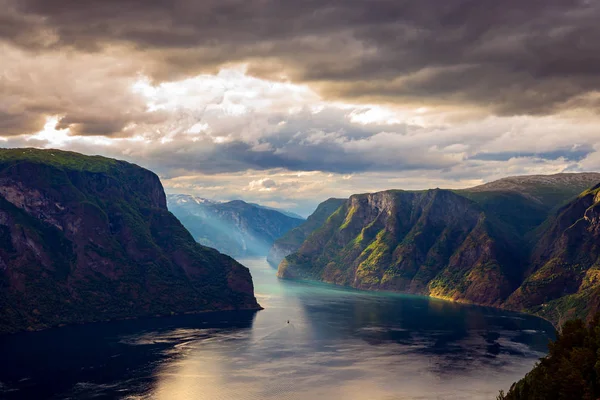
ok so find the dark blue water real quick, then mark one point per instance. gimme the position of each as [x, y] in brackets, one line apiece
[338, 344]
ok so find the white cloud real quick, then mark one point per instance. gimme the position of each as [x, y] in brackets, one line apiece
[230, 135]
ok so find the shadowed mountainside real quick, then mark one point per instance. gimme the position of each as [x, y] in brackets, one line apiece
[293, 239]
[87, 239]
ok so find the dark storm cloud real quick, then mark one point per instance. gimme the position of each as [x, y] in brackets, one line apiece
[13, 124]
[106, 125]
[512, 57]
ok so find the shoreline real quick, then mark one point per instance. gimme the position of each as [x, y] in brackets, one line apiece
[450, 300]
[133, 318]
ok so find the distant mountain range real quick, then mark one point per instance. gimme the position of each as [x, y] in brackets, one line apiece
[284, 212]
[235, 228]
[528, 243]
[86, 239]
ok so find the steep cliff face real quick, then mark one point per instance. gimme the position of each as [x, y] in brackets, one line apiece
[88, 238]
[293, 239]
[563, 280]
[431, 242]
[235, 228]
[506, 244]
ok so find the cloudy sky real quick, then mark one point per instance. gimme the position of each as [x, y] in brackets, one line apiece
[288, 103]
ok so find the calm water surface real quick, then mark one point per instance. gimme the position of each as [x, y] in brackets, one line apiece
[338, 344]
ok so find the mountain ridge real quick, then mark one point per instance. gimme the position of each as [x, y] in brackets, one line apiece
[236, 227]
[292, 240]
[462, 245]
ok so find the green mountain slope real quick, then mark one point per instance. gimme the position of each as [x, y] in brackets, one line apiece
[89, 238]
[293, 239]
[431, 242]
[524, 202]
[507, 244]
[235, 228]
[563, 279]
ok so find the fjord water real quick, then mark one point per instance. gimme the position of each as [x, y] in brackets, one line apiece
[338, 343]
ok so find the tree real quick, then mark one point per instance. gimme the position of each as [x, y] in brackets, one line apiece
[571, 370]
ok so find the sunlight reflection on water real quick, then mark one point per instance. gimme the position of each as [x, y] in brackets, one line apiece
[338, 344]
[352, 345]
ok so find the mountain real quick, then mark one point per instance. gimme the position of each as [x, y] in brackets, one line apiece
[505, 244]
[235, 228]
[427, 242]
[86, 239]
[563, 279]
[525, 202]
[293, 239]
[182, 199]
[284, 212]
[548, 190]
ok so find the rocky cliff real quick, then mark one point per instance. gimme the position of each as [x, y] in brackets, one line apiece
[89, 238]
[507, 246]
[431, 242]
[235, 228]
[293, 239]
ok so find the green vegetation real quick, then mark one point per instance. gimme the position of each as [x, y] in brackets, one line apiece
[404, 241]
[90, 239]
[562, 280]
[515, 210]
[293, 239]
[527, 243]
[570, 371]
[59, 158]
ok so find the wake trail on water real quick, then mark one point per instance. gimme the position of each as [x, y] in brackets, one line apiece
[274, 332]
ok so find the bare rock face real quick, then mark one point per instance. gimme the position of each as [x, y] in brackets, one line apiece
[89, 238]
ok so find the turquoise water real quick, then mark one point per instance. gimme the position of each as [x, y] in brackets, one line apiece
[338, 344]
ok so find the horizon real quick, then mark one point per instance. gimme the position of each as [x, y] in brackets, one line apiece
[305, 212]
